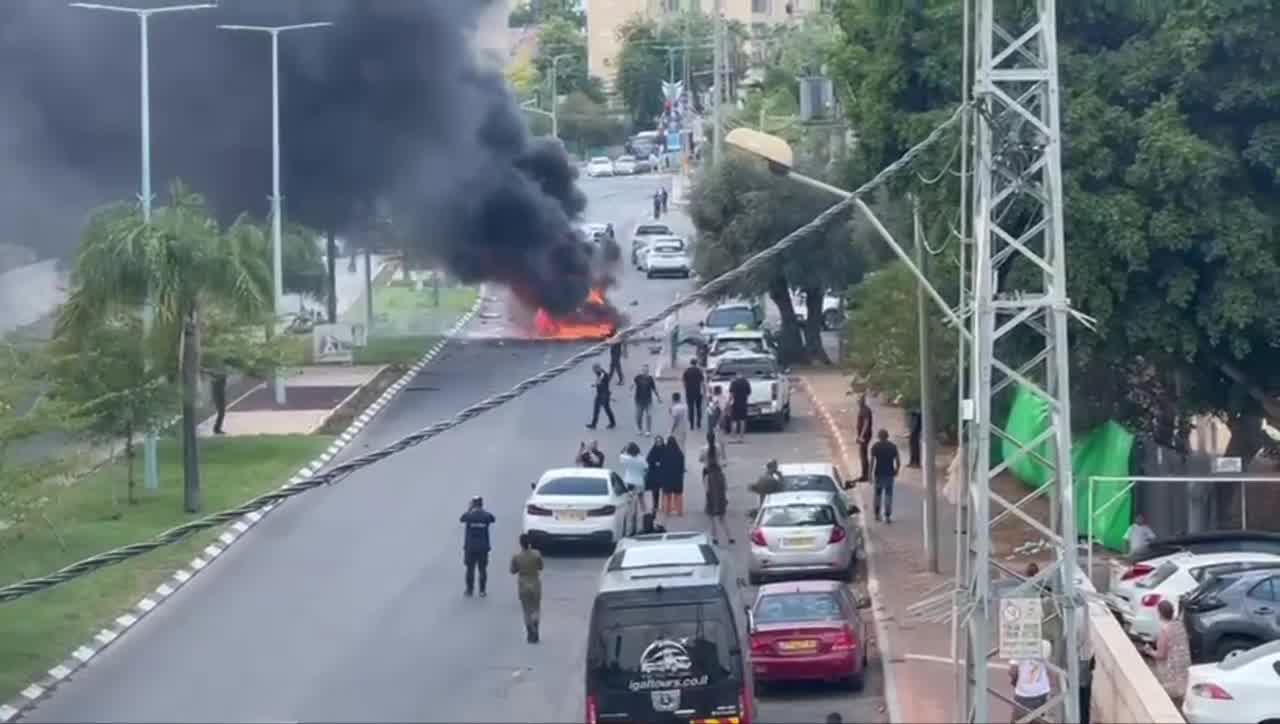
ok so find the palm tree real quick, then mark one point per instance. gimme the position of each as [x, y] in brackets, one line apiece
[187, 264]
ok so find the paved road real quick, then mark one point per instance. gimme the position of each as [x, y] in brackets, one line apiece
[346, 605]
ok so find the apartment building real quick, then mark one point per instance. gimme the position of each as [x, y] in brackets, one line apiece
[605, 17]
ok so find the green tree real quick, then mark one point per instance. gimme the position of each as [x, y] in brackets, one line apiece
[586, 124]
[652, 53]
[537, 12]
[740, 209]
[524, 79]
[560, 37]
[187, 264]
[25, 415]
[100, 375]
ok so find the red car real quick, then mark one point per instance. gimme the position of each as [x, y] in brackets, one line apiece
[807, 630]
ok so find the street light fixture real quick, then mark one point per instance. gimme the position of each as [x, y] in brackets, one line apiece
[277, 270]
[151, 479]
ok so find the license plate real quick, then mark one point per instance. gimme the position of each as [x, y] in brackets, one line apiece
[571, 515]
[797, 542]
[802, 646]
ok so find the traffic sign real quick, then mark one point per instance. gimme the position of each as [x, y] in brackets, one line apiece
[1021, 628]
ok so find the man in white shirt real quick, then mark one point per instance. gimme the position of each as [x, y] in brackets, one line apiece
[1139, 535]
[679, 419]
[1030, 680]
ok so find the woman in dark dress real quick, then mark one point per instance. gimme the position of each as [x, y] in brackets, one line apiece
[673, 468]
[653, 476]
[717, 491]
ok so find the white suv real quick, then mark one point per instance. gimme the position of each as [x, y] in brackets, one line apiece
[600, 166]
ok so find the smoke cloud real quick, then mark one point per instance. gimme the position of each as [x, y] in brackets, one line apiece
[393, 107]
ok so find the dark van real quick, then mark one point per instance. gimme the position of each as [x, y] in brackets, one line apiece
[664, 643]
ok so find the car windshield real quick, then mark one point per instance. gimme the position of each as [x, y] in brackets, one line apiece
[574, 486]
[798, 607]
[730, 317]
[761, 369]
[652, 230]
[802, 483]
[754, 346]
[797, 514]
[679, 646]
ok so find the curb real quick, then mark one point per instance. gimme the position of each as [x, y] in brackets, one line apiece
[82, 655]
[873, 581]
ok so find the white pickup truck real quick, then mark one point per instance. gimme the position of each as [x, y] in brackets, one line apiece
[770, 386]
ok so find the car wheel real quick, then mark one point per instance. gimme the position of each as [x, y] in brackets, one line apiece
[1232, 643]
[830, 319]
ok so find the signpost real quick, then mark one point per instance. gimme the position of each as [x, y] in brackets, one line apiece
[1021, 631]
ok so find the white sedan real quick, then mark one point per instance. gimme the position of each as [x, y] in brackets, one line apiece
[1244, 687]
[667, 257]
[581, 505]
[624, 166]
[600, 166]
[1176, 576]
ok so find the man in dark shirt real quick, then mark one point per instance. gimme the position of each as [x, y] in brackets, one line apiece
[864, 436]
[218, 389]
[616, 352]
[884, 468]
[590, 456]
[475, 544]
[694, 382]
[646, 391]
[739, 404]
[917, 423]
[603, 399]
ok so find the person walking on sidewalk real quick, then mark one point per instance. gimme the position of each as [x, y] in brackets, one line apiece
[633, 468]
[864, 436]
[657, 204]
[617, 351]
[603, 399]
[679, 419]
[1030, 680]
[673, 470]
[653, 475]
[646, 394]
[717, 493]
[665, 198]
[475, 544]
[218, 390]
[526, 566]
[885, 464]
[694, 384]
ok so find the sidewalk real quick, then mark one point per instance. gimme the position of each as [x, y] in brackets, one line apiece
[312, 396]
[917, 654]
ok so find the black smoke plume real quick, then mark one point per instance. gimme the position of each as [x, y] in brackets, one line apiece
[393, 107]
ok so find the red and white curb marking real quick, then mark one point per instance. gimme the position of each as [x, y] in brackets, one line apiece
[233, 532]
[873, 582]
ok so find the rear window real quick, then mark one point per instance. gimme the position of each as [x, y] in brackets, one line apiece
[779, 516]
[668, 248]
[663, 647]
[731, 317]
[754, 346]
[575, 486]
[749, 369]
[599, 159]
[799, 483]
[1159, 575]
[798, 608]
[652, 230]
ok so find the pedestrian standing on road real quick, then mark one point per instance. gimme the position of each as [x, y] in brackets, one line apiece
[673, 470]
[617, 351]
[916, 424]
[475, 544]
[657, 204]
[653, 474]
[1030, 680]
[633, 468]
[646, 394]
[714, 442]
[526, 566]
[884, 468]
[665, 197]
[218, 390]
[715, 418]
[864, 436]
[739, 404]
[590, 455]
[695, 383]
[717, 489]
[679, 419]
[1171, 654]
[603, 399]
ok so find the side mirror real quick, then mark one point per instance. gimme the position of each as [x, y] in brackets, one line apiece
[854, 510]
[862, 600]
[533, 486]
[631, 487]
[702, 324]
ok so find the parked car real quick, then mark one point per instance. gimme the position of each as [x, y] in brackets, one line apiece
[1176, 575]
[825, 478]
[1244, 687]
[581, 505]
[808, 630]
[731, 316]
[1232, 612]
[640, 238]
[1216, 541]
[652, 241]
[751, 341]
[644, 165]
[832, 309]
[801, 534]
[600, 166]
[667, 258]
[624, 165]
[770, 397]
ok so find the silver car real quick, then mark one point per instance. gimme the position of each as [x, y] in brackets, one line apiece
[803, 534]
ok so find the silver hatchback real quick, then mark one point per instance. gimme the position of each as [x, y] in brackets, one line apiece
[802, 534]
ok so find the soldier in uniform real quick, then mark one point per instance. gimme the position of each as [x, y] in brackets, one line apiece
[526, 566]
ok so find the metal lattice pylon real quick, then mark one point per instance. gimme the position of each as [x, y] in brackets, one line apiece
[1019, 314]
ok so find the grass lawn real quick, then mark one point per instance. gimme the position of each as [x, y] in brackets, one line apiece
[394, 350]
[89, 517]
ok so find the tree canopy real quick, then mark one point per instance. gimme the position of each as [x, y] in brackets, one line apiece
[560, 37]
[653, 52]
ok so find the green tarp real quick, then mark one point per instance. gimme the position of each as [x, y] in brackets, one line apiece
[1102, 452]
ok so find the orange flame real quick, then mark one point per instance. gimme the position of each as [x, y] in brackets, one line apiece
[578, 326]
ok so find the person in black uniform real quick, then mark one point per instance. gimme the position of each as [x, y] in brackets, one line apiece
[603, 399]
[218, 390]
[694, 382]
[475, 544]
[616, 352]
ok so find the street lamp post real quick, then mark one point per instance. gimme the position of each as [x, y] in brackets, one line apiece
[555, 94]
[151, 479]
[277, 264]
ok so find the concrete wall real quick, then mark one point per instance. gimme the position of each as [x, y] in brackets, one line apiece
[1124, 689]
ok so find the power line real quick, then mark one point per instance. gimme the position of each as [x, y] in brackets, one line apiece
[339, 472]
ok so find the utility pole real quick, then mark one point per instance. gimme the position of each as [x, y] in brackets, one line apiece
[717, 88]
[555, 94]
[927, 446]
[277, 212]
[151, 471]
[1018, 162]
